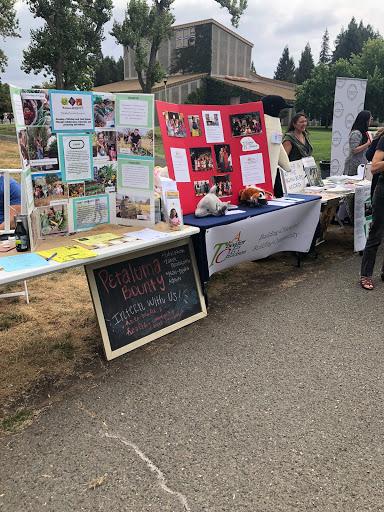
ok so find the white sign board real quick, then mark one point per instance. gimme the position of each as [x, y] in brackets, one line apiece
[349, 101]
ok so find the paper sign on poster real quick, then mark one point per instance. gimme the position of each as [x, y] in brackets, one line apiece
[134, 110]
[213, 126]
[295, 180]
[252, 169]
[76, 161]
[72, 110]
[134, 173]
[180, 165]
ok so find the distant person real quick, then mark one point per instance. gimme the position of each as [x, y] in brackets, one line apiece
[376, 231]
[14, 200]
[359, 142]
[10, 117]
[2, 117]
[296, 141]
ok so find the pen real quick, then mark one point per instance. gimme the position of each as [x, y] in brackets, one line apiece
[51, 256]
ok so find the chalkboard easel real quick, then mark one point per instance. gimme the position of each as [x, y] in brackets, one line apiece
[145, 295]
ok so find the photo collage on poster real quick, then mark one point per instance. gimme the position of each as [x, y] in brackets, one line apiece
[201, 147]
[73, 149]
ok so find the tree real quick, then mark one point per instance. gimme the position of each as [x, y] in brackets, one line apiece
[109, 70]
[253, 69]
[286, 67]
[5, 99]
[146, 26]
[8, 26]
[316, 95]
[306, 65]
[325, 52]
[68, 45]
[351, 41]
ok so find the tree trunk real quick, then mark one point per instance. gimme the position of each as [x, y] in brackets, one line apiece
[59, 73]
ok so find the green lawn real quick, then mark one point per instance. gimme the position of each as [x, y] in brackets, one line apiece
[7, 129]
[159, 150]
[321, 142]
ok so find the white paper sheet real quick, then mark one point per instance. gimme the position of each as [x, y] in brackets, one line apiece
[180, 165]
[213, 126]
[234, 212]
[135, 176]
[147, 234]
[133, 113]
[252, 169]
[77, 157]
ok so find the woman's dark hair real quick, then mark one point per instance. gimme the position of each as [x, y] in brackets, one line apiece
[362, 124]
[294, 120]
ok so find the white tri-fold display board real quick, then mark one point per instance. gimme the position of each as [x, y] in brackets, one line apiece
[87, 158]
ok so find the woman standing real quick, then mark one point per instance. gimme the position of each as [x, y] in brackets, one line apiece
[359, 142]
[296, 141]
[376, 232]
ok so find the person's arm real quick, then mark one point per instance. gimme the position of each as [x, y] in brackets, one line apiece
[378, 162]
[287, 146]
[355, 145]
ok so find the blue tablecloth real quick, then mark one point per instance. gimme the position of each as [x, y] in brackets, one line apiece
[211, 222]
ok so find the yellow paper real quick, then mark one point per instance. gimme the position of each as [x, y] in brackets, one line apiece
[97, 239]
[67, 253]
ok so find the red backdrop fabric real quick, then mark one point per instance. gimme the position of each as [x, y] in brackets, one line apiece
[176, 129]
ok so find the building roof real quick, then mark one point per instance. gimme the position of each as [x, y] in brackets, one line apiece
[134, 86]
[261, 85]
[213, 22]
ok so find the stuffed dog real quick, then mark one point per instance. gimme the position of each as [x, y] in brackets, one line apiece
[254, 196]
[211, 205]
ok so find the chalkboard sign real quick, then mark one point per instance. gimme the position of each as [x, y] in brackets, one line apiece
[147, 295]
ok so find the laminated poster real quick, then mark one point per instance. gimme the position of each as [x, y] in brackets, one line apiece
[72, 110]
[133, 173]
[89, 212]
[134, 110]
[76, 160]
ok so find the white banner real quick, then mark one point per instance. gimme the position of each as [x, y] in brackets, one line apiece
[349, 101]
[289, 229]
[363, 216]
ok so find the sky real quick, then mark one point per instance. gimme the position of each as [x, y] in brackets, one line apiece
[283, 23]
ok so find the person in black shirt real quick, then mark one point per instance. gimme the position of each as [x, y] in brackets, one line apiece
[136, 140]
[376, 231]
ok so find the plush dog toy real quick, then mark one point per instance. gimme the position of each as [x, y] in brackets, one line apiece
[254, 196]
[211, 205]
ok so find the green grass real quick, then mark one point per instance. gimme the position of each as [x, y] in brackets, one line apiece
[159, 149]
[7, 129]
[15, 422]
[321, 142]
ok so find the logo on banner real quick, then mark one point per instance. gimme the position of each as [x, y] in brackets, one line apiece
[338, 109]
[352, 92]
[336, 138]
[230, 249]
[349, 121]
[78, 102]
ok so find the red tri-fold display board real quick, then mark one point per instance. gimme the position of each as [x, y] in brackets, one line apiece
[208, 145]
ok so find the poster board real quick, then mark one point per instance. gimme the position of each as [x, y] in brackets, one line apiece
[214, 144]
[142, 297]
[88, 159]
[349, 101]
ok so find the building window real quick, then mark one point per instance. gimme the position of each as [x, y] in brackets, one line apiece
[185, 38]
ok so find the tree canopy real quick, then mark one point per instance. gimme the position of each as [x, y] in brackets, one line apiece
[68, 45]
[325, 51]
[351, 40]
[109, 70]
[8, 26]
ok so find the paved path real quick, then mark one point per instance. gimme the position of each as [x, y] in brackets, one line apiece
[273, 403]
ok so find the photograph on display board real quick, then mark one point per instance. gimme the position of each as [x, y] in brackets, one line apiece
[201, 159]
[194, 125]
[36, 107]
[201, 187]
[245, 124]
[223, 157]
[175, 124]
[76, 189]
[105, 173]
[223, 185]
[94, 188]
[42, 148]
[313, 176]
[104, 145]
[135, 141]
[48, 187]
[135, 205]
[104, 110]
[23, 146]
[53, 219]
